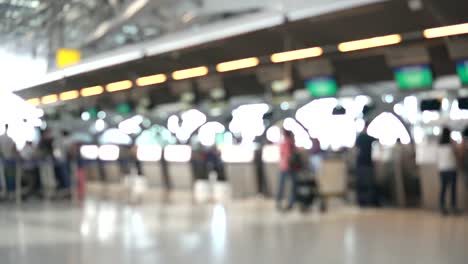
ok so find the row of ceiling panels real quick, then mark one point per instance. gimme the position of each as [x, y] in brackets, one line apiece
[363, 66]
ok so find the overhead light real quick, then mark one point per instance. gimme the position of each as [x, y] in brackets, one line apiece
[34, 101]
[70, 95]
[90, 91]
[49, 99]
[152, 79]
[369, 43]
[296, 54]
[237, 64]
[119, 86]
[190, 73]
[446, 31]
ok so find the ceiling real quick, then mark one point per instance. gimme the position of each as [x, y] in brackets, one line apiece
[326, 30]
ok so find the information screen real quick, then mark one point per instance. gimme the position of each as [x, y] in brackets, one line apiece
[324, 86]
[413, 77]
[462, 70]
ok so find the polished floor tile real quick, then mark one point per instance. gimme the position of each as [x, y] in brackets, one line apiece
[242, 232]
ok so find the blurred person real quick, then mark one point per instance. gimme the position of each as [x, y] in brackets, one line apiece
[8, 155]
[447, 166]
[288, 169]
[62, 146]
[30, 170]
[366, 188]
[315, 156]
[214, 163]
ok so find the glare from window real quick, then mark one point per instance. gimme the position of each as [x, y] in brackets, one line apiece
[273, 134]
[270, 154]
[177, 153]
[247, 121]
[191, 120]
[115, 136]
[109, 152]
[89, 152]
[237, 153]
[387, 128]
[207, 133]
[131, 125]
[100, 125]
[301, 137]
[149, 153]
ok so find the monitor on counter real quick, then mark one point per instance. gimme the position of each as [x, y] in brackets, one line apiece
[430, 105]
[413, 77]
[463, 103]
[323, 86]
[462, 70]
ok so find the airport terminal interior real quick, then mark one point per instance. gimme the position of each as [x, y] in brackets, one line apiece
[202, 131]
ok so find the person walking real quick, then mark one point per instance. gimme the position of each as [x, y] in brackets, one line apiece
[447, 166]
[287, 169]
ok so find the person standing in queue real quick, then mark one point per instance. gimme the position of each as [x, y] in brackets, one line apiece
[287, 170]
[8, 155]
[447, 165]
[366, 185]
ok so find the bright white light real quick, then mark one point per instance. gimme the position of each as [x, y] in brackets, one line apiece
[284, 106]
[207, 133]
[101, 114]
[89, 152]
[456, 136]
[273, 134]
[360, 124]
[456, 113]
[115, 136]
[218, 228]
[85, 116]
[271, 154]
[149, 153]
[388, 98]
[237, 153]
[418, 134]
[301, 137]
[362, 100]
[436, 131]
[388, 128]
[178, 153]
[411, 108]
[191, 120]
[21, 132]
[109, 152]
[131, 125]
[429, 116]
[399, 109]
[445, 104]
[247, 120]
[100, 125]
[331, 130]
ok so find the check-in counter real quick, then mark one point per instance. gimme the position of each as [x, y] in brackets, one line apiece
[430, 179]
[240, 170]
[178, 166]
[89, 154]
[270, 162]
[110, 154]
[150, 159]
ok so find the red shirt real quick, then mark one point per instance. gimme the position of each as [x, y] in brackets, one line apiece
[286, 150]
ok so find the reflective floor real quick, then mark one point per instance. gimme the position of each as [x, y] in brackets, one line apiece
[248, 232]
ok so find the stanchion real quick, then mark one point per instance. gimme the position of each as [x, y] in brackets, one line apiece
[3, 191]
[18, 176]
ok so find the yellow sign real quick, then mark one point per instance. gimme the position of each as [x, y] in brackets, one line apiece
[67, 57]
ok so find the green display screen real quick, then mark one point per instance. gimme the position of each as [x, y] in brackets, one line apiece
[413, 77]
[124, 108]
[322, 86]
[462, 70]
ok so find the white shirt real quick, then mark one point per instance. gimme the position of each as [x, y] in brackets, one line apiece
[446, 160]
[7, 147]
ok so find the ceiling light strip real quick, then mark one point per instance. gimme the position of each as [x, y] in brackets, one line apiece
[152, 79]
[369, 43]
[49, 99]
[190, 73]
[119, 86]
[70, 95]
[446, 31]
[90, 91]
[237, 64]
[296, 54]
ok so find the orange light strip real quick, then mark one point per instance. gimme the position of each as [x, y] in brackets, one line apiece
[237, 64]
[90, 91]
[119, 86]
[190, 73]
[152, 79]
[70, 95]
[369, 43]
[49, 99]
[34, 101]
[296, 54]
[446, 31]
